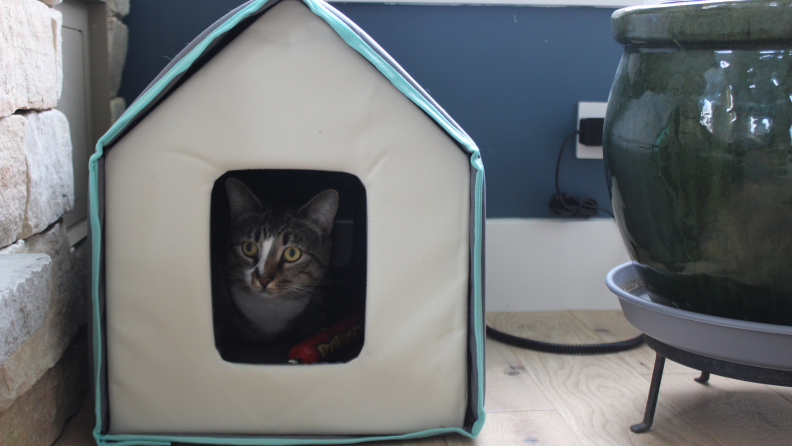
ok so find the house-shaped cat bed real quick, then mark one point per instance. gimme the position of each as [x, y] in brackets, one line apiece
[290, 98]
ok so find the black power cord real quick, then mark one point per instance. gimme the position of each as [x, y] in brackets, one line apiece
[567, 349]
[566, 205]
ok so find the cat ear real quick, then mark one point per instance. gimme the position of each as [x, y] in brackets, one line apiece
[321, 210]
[241, 199]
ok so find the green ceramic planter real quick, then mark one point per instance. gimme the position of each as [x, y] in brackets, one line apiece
[698, 154]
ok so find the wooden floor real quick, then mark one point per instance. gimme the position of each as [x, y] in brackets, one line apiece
[546, 399]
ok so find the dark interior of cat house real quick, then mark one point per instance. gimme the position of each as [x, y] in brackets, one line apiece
[288, 254]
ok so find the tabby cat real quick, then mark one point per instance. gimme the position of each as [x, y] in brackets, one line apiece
[274, 265]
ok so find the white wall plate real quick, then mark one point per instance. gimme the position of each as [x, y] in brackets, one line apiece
[590, 110]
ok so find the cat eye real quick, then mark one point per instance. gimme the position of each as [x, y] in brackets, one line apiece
[249, 249]
[292, 254]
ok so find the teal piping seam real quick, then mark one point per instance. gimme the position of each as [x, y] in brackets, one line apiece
[116, 440]
[353, 40]
[93, 191]
[134, 443]
[320, 8]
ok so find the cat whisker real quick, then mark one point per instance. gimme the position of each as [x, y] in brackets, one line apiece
[258, 235]
[302, 292]
[313, 296]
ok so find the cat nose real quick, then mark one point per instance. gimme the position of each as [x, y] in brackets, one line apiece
[264, 281]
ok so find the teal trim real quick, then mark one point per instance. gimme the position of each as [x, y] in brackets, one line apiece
[123, 440]
[134, 443]
[322, 10]
[93, 191]
[352, 39]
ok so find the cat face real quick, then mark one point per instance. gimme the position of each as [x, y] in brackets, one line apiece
[283, 255]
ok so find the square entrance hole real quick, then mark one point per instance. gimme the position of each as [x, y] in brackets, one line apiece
[288, 250]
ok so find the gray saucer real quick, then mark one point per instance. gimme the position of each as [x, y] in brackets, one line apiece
[749, 343]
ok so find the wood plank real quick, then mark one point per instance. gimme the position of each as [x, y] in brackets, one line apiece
[599, 398]
[548, 326]
[537, 428]
[609, 326]
[543, 399]
[509, 386]
[642, 360]
[731, 411]
[612, 326]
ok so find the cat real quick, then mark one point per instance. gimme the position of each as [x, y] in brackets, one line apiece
[274, 265]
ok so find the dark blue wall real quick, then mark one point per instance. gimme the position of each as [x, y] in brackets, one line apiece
[511, 76]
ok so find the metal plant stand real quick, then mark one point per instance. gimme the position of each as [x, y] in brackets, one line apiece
[707, 366]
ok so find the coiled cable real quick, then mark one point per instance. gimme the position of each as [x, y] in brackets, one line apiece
[566, 205]
[566, 349]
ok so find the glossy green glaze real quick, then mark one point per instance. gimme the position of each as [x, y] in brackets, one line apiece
[698, 155]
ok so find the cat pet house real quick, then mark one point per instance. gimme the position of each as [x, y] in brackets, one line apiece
[290, 98]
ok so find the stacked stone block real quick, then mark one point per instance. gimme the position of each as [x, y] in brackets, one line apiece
[36, 172]
[43, 280]
[31, 72]
[13, 178]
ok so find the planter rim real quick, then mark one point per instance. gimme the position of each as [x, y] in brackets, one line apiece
[705, 23]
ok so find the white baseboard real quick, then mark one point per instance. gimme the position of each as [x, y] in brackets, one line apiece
[551, 265]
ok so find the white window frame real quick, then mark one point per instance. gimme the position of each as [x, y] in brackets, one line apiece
[89, 18]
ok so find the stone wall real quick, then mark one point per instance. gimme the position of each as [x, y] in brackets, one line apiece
[44, 371]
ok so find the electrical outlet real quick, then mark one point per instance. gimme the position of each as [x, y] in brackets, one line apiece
[589, 110]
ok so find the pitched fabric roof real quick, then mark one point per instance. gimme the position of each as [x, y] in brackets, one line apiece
[190, 60]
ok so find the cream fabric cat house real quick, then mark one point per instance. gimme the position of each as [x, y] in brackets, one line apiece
[285, 85]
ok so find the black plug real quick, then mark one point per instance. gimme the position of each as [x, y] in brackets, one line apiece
[591, 130]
